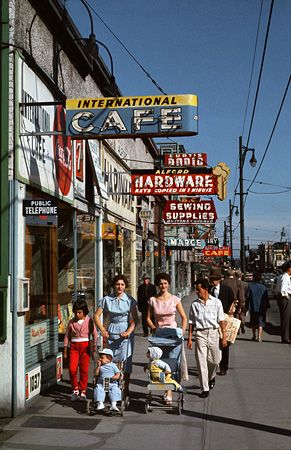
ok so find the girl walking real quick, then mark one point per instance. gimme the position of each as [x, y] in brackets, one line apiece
[79, 334]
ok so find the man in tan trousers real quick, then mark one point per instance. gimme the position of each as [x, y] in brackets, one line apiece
[205, 318]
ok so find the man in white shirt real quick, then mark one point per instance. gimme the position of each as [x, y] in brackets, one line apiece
[206, 317]
[283, 290]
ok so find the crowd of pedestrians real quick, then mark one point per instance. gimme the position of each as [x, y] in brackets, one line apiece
[116, 318]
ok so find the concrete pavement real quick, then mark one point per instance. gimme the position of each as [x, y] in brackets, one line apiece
[249, 408]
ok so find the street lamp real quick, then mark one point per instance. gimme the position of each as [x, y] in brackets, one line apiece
[231, 208]
[242, 156]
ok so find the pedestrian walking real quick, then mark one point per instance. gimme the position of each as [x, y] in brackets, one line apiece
[81, 334]
[283, 294]
[120, 312]
[225, 295]
[243, 288]
[164, 307]
[257, 304]
[205, 318]
[145, 291]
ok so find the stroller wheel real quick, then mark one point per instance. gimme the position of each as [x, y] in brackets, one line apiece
[179, 408]
[122, 408]
[146, 407]
[89, 407]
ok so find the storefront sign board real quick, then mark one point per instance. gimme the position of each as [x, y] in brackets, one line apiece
[173, 183]
[39, 207]
[185, 160]
[44, 161]
[189, 212]
[214, 252]
[32, 382]
[185, 243]
[94, 151]
[123, 117]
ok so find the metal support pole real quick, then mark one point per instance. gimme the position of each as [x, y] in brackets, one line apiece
[230, 235]
[241, 202]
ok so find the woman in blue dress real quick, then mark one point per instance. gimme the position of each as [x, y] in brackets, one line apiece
[120, 308]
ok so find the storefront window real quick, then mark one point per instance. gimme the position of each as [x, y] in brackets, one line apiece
[86, 237]
[41, 269]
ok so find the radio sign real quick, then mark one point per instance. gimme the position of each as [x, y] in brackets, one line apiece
[189, 212]
[185, 159]
[124, 117]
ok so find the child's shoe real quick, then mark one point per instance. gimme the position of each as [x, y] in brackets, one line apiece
[75, 396]
[100, 405]
[113, 407]
[83, 397]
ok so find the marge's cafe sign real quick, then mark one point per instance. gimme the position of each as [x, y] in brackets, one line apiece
[189, 211]
[123, 117]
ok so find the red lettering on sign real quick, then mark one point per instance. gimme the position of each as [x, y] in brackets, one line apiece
[62, 152]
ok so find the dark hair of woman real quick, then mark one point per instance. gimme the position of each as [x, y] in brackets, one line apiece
[81, 305]
[119, 277]
[162, 276]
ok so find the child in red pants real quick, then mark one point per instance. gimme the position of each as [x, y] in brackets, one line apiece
[79, 333]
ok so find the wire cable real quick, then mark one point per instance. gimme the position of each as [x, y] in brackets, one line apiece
[272, 133]
[248, 96]
[260, 73]
[126, 49]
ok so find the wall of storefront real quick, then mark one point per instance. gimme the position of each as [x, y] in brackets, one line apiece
[62, 252]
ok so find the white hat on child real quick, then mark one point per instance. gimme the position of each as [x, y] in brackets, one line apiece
[106, 351]
[155, 352]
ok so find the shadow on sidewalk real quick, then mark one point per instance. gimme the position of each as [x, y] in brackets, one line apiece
[239, 423]
[60, 394]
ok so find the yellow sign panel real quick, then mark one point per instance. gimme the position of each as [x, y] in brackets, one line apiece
[132, 102]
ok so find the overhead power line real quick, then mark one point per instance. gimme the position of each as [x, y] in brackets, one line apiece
[126, 49]
[260, 73]
[272, 133]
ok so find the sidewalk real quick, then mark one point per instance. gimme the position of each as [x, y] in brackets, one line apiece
[249, 408]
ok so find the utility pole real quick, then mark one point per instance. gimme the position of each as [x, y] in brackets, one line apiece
[242, 155]
[230, 234]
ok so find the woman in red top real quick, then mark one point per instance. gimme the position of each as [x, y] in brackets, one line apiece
[79, 331]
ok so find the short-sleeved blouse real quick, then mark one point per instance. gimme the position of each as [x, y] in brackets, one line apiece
[165, 311]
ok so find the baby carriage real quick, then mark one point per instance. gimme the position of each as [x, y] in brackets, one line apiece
[172, 351]
[123, 404]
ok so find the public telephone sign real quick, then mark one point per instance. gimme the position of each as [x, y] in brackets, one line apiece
[124, 117]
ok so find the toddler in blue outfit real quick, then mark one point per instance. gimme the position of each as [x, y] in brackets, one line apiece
[107, 369]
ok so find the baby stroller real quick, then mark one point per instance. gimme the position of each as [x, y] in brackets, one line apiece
[172, 350]
[123, 404]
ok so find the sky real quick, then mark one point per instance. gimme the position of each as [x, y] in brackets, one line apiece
[206, 47]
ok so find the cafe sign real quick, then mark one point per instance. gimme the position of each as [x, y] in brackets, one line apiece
[173, 181]
[124, 117]
[189, 212]
[214, 252]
